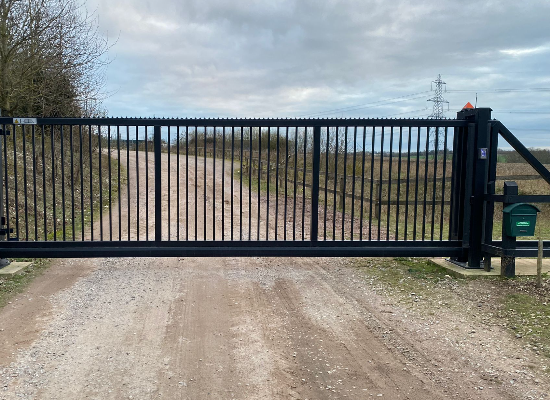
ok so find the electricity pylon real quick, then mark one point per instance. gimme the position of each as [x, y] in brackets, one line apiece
[438, 112]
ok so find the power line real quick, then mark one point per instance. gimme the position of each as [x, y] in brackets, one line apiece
[369, 105]
[539, 89]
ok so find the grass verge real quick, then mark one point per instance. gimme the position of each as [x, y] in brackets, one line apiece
[512, 303]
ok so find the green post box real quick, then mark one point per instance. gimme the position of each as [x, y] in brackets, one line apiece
[520, 219]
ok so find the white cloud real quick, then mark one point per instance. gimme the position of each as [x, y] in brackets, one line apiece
[526, 51]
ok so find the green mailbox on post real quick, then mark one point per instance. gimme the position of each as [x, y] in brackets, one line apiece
[520, 219]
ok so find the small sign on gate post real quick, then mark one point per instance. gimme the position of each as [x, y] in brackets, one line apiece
[25, 121]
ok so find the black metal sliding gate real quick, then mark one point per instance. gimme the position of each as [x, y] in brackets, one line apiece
[237, 187]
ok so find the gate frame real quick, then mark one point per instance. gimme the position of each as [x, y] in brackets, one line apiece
[472, 197]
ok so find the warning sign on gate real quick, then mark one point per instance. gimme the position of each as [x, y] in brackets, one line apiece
[25, 121]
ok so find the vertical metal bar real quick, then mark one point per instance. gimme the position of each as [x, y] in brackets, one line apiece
[214, 184]
[169, 185]
[178, 182]
[436, 148]
[407, 185]
[146, 128]
[223, 180]
[128, 176]
[110, 181]
[508, 263]
[334, 204]
[15, 188]
[344, 185]
[138, 216]
[286, 183]
[80, 142]
[457, 174]
[397, 214]
[490, 206]
[389, 186]
[43, 134]
[304, 177]
[158, 186]
[353, 179]
[72, 181]
[118, 184]
[4, 236]
[259, 176]
[295, 182]
[380, 182]
[326, 187]
[373, 143]
[443, 186]
[425, 183]
[314, 230]
[268, 183]
[232, 171]
[362, 183]
[6, 184]
[99, 156]
[196, 180]
[250, 184]
[34, 182]
[24, 130]
[63, 180]
[25, 182]
[205, 184]
[53, 183]
[277, 186]
[416, 183]
[241, 187]
[187, 184]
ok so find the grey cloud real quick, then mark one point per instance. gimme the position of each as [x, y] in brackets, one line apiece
[265, 58]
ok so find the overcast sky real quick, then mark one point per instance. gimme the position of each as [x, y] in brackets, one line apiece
[294, 58]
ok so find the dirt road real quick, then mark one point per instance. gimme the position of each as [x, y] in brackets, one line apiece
[225, 328]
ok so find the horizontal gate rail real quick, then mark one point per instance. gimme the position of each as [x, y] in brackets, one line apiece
[231, 249]
[249, 122]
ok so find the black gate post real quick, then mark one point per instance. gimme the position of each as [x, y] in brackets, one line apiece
[477, 171]
[158, 194]
[490, 206]
[315, 184]
[456, 222]
[508, 263]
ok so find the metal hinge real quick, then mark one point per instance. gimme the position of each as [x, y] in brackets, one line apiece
[2, 132]
[5, 231]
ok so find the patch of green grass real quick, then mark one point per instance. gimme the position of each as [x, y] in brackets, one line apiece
[528, 315]
[409, 275]
[14, 284]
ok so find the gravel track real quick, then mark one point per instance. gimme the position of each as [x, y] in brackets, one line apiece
[228, 328]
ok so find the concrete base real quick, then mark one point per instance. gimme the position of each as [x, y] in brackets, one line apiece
[524, 267]
[14, 268]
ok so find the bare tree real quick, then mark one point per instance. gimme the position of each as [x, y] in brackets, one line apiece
[52, 58]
